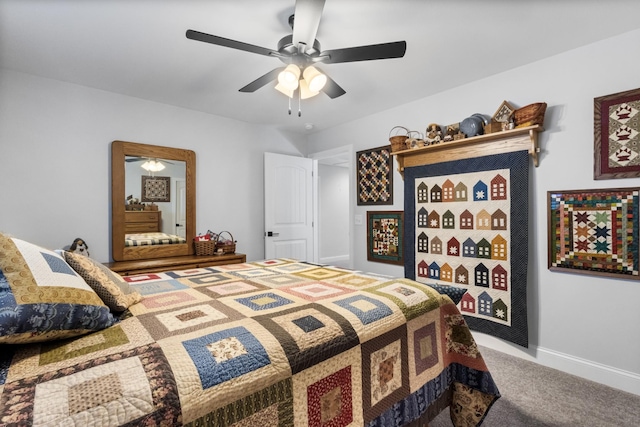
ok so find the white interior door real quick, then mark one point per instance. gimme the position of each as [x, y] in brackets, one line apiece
[288, 202]
[181, 208]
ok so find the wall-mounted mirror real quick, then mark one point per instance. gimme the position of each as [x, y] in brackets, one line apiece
[153, 208]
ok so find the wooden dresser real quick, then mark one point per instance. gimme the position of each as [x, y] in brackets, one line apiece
[142, 221]
[128, 268]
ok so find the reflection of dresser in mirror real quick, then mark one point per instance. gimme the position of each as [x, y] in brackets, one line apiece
[142, 221]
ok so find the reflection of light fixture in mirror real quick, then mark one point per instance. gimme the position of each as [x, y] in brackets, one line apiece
[152, 166]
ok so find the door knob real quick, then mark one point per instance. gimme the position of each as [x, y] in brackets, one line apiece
[271, 234]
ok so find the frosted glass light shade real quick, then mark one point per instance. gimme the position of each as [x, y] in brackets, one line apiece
[305, 92]
[314, 78]
[282, 89]
[289, 77]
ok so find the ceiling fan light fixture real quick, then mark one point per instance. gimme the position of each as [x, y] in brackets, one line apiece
[152, 166]
[289, 77]
[305, 91]
[314, 79]
[284, 90]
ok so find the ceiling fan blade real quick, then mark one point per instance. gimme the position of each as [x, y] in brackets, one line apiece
[233, 44]
[332, 89]
[261, 81]
[306, 21]
[364, 53]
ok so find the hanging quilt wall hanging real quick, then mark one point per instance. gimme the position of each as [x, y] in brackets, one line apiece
[466, 227]
[375, 176]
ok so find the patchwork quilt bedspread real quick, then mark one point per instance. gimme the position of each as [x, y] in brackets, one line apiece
[270, 343]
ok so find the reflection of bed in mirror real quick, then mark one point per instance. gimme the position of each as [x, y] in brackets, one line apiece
[148, 239]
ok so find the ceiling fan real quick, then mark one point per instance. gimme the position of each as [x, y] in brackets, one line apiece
[301, 52]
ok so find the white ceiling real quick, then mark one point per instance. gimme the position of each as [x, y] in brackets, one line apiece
[138, 48]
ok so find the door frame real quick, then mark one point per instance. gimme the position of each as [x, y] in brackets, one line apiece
[347, 152]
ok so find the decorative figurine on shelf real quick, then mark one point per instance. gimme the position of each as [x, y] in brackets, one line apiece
[433, 134]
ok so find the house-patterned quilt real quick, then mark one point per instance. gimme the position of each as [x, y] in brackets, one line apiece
[271, 343]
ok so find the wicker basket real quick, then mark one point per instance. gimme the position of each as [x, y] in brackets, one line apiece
[205, 247]
[532, 114]
[227, 248]
[398, 142]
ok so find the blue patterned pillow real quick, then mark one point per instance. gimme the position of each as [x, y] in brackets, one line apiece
[454, 292]
[42, 298]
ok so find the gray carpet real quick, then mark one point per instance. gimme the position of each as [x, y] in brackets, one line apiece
[537, 396]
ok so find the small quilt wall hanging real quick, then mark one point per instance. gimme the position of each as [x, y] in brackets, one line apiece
[616, 132]
[375, 176]
[594, 232]
[156, 189]
[466, 225]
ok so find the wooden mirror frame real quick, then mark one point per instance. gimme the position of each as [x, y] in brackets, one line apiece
[121, 149]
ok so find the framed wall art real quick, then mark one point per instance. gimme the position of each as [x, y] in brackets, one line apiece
[156, 189]
[385, 231]
[594, 232]
[616, 130]
[375, 176]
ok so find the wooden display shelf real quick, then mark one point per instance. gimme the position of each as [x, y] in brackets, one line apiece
[128, 268]
[525, 138]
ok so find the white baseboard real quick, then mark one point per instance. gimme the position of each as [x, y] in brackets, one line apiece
[594, 371]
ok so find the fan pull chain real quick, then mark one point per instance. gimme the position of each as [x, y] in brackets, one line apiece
[299, 103]
[289, 105]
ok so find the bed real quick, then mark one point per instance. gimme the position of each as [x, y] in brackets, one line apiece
[273, 343]
[155, 238]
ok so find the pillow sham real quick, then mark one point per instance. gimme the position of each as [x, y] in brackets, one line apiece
[114, 291]
[42, 298]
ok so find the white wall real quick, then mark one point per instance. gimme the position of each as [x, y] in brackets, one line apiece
[55, 145]
[585, 325]
[333, 200]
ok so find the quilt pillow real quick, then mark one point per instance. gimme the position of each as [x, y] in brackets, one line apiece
[42, 298]
[114, 290]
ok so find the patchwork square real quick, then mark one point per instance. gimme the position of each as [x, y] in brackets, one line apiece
[76, 395]
[322, 273]
[310, 334]
[367, 309]
[279, 280]
[412, 298]
[156, 287]
[385, 366]
[356, 280]
[178, 274]
[190, 318]
[232, 288]
[330, 393]
[316, 291]
[163, 301]
[262, 302]
[226, 354]
[270, 407]
[207, 279]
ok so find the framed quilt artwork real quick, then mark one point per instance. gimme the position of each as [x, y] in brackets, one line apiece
[594, 232]
[385, 241]
[375, 176]
[616, 132]
[156, 189]
[467, 229]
